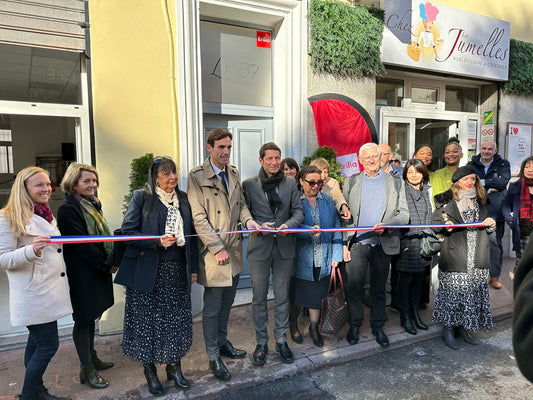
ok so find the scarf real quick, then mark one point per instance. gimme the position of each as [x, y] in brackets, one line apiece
[43, 211]
[96, 224]
[526, 205]
[269, 185]
[465, 197]
[174, 222]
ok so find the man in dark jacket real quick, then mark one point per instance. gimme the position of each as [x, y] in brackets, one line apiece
[494, 173]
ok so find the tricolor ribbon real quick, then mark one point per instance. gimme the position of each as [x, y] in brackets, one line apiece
[123, 238]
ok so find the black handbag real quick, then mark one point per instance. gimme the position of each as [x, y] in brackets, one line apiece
[117, 253]
[429, 243]
[335, 313]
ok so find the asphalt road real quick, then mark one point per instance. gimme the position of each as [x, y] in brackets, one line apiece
[427, 370]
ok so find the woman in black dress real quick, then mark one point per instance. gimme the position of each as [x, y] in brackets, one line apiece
[158, 274]
[89, 274]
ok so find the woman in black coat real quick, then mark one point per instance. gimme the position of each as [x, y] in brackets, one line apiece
[409, 264]
[462, 299]
[158, 274]
[517, 207]
[89, 274]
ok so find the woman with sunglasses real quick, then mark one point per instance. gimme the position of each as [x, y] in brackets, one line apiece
[158, 274]
[317, 254]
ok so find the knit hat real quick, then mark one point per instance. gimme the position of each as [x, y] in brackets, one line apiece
[462, 172]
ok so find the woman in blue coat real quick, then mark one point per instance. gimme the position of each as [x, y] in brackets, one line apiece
[158, 274]
[316, 254]
[517, 207]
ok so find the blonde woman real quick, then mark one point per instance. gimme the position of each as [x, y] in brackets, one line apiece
[38, 286]
[89, 274]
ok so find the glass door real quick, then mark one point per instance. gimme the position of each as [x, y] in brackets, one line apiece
[398, 133]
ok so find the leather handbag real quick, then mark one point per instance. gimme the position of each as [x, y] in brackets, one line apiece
[429, 244]
[335, 313]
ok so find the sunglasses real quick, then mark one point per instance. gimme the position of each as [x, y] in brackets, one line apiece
[314, 183]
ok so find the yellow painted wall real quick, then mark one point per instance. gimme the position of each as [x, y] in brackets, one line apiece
[133, 100]
[132, 90]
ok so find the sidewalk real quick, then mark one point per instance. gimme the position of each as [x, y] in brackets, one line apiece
[127, 380]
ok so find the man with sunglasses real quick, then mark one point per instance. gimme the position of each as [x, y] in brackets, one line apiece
[375, 198]
[274, 202]
[217, 203]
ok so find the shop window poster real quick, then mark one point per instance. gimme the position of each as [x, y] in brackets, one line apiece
[518, 144]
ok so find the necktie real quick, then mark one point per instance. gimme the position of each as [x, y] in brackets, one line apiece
[222, 175]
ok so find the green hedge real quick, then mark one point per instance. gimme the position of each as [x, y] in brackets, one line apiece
[345, 40]
[520, 68]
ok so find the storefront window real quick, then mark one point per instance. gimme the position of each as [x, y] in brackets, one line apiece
[424, 95]
[398, 135]
[461, 99]
[389, 92]
[236, 65]
[6, 152]
[39, 75]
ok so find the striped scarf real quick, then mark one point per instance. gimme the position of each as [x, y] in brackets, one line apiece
[96, 223]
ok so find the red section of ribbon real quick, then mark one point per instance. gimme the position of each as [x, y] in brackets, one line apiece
[340, 126]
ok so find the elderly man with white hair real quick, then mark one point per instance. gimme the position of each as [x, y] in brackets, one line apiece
[375, 198]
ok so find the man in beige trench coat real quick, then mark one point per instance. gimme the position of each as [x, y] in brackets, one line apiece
[217, 202]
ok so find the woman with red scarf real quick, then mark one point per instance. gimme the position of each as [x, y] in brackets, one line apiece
[38, 286]
[517, 208]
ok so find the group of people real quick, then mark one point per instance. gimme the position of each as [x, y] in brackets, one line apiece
[49, 281]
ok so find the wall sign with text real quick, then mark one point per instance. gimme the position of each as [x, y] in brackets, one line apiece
[431, 36]
[518, 144]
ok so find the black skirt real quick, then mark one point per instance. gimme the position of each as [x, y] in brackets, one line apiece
[158, 325]
[308, 294]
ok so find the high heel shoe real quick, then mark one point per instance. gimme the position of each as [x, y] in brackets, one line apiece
[174, 374]
[99, 364]
[91, 376]
[315, 335]
[154, 386]
[296, 336]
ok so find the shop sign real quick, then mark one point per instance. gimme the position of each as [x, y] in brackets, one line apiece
[435, 37]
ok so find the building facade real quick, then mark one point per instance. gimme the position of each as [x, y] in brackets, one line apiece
[104, 82]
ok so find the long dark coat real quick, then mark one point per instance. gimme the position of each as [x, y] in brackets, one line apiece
[91, 286]
[453, 252]
[409, 259]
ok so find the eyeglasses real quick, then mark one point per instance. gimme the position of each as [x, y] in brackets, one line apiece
[368, 158]
[314, 183]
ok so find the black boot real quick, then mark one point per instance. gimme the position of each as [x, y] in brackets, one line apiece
[416, 318]
[315, 334]
[99, 364]
[154, 386]
[407, 323]
[296, 336]
[461, 331]
[174, 373]
[44, 395]
[448, 337]
[91, 376]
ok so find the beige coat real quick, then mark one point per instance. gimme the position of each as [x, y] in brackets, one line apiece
[333, 189]
[38, 286]
[213, 210]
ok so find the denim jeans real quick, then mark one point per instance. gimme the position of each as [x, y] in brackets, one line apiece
[43, 342]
